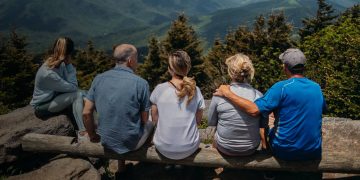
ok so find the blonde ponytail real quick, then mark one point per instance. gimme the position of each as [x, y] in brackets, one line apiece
[188, 88]
[180, 64]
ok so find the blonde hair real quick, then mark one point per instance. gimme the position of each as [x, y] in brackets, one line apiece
[63, 47]
[240, 68]
[180, 64]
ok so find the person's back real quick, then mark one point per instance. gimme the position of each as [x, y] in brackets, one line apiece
[297, 132]
[177, 108]
[237, 133]
[119, 98]
[56, 85]
[176, 135]
[48, 80]
[297, 104]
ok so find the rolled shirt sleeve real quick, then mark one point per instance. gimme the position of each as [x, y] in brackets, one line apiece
[91, 93]
[201, 101]
[144, 95]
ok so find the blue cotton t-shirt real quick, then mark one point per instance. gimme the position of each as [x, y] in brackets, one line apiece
[298, 104]
[119, 96]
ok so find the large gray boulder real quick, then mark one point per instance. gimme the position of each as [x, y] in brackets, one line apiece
[63, 168]
[22, 121]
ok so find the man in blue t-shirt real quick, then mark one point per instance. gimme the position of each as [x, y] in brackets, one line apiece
[297, 104]
[121, 100]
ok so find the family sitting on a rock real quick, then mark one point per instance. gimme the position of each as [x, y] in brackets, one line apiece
[240, 113]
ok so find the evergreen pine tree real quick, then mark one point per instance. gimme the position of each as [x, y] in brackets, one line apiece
[17, 72]
[183, 36]
[259, 35]
[352, 14]
[238, 41]
[263, 45]
[154, 65]
[279, 31]
[215, 65]
[333, 62]
[324, 17]
[89, 62]
[268, 47]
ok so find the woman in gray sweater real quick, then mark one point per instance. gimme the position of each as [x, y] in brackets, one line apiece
[56, 86]
[237, 134]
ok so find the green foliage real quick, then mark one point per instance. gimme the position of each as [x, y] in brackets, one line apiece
[215, 65]
[154, 65]
[17, 72]
[263, 45]
[270, 41]
[179, 36]
[183, 36]
[352, 14]
[333, 61]
[203, 123]
[89, 62]
[323, 18]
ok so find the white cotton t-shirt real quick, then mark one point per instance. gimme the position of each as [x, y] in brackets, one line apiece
[176, 135]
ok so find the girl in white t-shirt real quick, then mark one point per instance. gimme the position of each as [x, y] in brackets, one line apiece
[177, 107]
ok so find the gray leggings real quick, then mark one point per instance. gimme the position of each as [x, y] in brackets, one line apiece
[62, 101]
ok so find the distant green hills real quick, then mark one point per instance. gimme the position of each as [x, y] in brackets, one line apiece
[295, 10]
[108, 22]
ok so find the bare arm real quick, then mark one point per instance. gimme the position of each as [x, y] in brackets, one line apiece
[199, 115]
[154, 114]
[144, 116]
[263, 138]
[89, 121]
[244, 104]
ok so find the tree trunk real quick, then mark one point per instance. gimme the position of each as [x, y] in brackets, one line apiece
[341, 152]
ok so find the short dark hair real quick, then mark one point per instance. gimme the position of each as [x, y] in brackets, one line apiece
[297, 69]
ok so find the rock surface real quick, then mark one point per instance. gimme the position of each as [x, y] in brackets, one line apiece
[207, 135]
[63, 168]
[22, 121]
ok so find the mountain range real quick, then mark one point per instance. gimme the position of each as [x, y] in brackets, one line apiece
[108, 22]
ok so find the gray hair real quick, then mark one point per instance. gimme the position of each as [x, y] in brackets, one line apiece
[123, 52]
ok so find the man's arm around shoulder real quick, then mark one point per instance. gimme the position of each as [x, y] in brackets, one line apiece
[245, 105]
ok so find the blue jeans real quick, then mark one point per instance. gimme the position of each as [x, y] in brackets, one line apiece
[61, 102]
